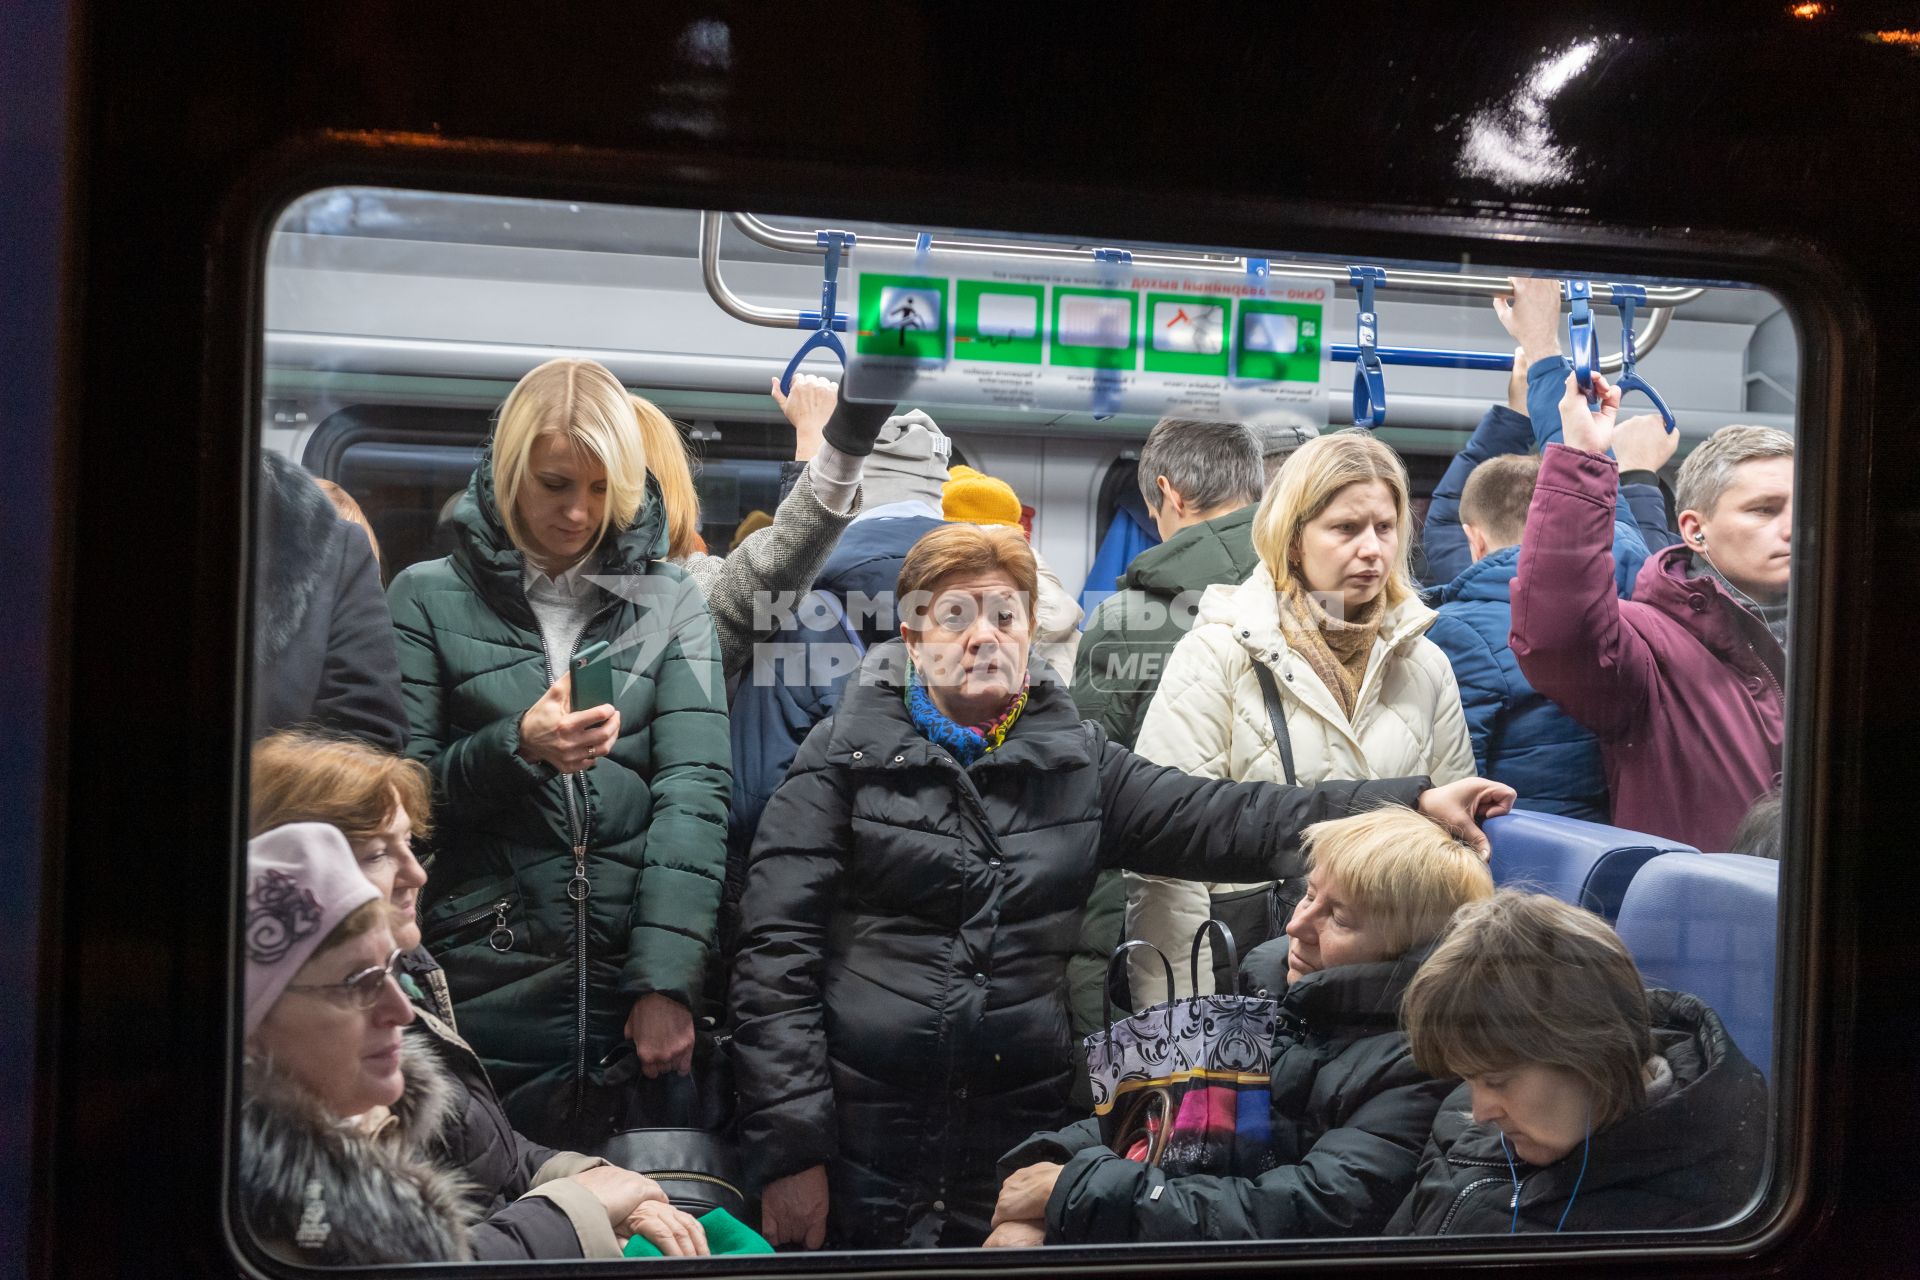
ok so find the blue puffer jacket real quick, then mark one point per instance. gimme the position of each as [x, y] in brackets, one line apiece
[1640, 519]
[1519, 737]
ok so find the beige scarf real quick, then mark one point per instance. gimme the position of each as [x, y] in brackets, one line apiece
[1336, 649]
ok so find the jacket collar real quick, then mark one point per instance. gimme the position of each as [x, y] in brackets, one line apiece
[1252, 611]
[1699, 604]
[1352, 1000]
[1220, 549]
[871, 728]
[486, 558]
[1487, 578]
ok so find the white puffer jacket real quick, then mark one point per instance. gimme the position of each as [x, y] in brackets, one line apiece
[1208, 718]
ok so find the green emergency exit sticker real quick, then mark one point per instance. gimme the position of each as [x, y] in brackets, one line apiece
[902, 316]
[1187, 334]
[999, 322]
[1278, 341]
[1095, 328]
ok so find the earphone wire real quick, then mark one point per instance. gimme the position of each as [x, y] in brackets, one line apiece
[1700, 549]
[1513, 1227]
[1586, 1149]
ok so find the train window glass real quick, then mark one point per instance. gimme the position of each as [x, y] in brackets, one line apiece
[829, 1000]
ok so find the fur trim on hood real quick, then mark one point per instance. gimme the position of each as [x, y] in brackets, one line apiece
[326, 1193]
[297, 523]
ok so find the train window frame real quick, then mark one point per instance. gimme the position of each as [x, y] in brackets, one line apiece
[1814, 295]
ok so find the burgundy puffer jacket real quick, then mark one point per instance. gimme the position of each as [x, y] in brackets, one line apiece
[1682, 685]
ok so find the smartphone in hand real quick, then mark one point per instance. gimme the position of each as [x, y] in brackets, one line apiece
[593, 676]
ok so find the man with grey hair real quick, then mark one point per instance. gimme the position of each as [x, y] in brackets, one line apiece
[1201, 481]
[1684, 685]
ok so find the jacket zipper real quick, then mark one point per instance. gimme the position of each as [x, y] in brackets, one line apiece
[1461, 1199]
[498, 910]
[579, 888]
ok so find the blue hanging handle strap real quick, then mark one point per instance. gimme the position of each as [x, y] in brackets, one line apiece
[828, 318]
[1584, 350]
[1369, 378]
[1627, 297]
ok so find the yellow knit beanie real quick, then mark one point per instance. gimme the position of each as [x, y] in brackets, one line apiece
[972, 498]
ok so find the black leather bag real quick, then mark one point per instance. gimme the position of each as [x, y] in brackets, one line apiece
[675, 1129]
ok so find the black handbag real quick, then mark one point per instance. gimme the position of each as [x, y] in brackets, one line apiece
[1259, 914]
[676, 1129]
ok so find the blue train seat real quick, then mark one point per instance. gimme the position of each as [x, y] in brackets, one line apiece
[1708, 925]
[1586, 863]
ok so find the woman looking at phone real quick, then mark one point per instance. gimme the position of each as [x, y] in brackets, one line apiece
[579, 848]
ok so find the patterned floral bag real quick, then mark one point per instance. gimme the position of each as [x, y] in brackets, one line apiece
[1185, 1084]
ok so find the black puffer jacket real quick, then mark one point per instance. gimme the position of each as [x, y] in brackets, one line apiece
[1350, 1112]
[899, 999]
[1690, 1159]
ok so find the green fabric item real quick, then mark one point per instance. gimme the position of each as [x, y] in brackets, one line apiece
[1131, 635]
[726, 1235]
[471, 663]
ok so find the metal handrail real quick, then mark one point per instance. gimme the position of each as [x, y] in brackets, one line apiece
[792, 318]
[785, 239]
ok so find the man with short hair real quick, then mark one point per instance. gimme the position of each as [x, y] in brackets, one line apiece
[1685, 683]
[1201, 481]
[1519, 736]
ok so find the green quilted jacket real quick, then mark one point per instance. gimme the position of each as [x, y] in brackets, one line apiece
[544, 969]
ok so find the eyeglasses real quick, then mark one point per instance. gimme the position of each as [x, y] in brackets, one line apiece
[363, 990]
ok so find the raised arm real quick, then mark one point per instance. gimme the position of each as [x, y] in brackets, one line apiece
[1568, 631]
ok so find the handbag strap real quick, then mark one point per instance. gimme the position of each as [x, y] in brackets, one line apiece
[1277, 717]
[1211, 925]
[1106, 985]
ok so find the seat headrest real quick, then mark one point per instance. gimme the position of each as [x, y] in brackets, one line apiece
[1587, 864]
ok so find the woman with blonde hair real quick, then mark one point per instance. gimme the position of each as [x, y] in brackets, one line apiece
[781, 558]
[1350, 1106]
[1590, 1102]
[916, 887]
[579, 850]
[1316, 667]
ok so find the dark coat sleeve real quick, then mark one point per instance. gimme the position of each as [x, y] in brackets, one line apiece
[1649, 507]
[1054, 1146]
[780, 1035]
[1501, 431]
[1163, 822]
[479, 772]
[1348, 1184]
[531, 1227]
[360, 679]
[676, 904]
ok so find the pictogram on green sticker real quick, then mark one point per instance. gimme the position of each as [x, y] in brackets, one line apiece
[1278, 341]
[1095, 328]
[1186, 334]
[999, 322]
[902, 316]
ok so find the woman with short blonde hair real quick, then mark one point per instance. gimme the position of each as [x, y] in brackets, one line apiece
[580, 848]
[1327, 641]
[899, 999]
[1590, 1102]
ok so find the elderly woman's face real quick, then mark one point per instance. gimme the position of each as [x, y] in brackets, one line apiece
[346, 1056]
[386, 858]
[972, 645]
[1329, 929]
[1542, 1109]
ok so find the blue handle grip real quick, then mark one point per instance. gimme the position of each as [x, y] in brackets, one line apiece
[822, 339]
[1369, 379]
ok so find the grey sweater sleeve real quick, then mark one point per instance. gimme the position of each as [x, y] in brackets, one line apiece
[780, 560]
